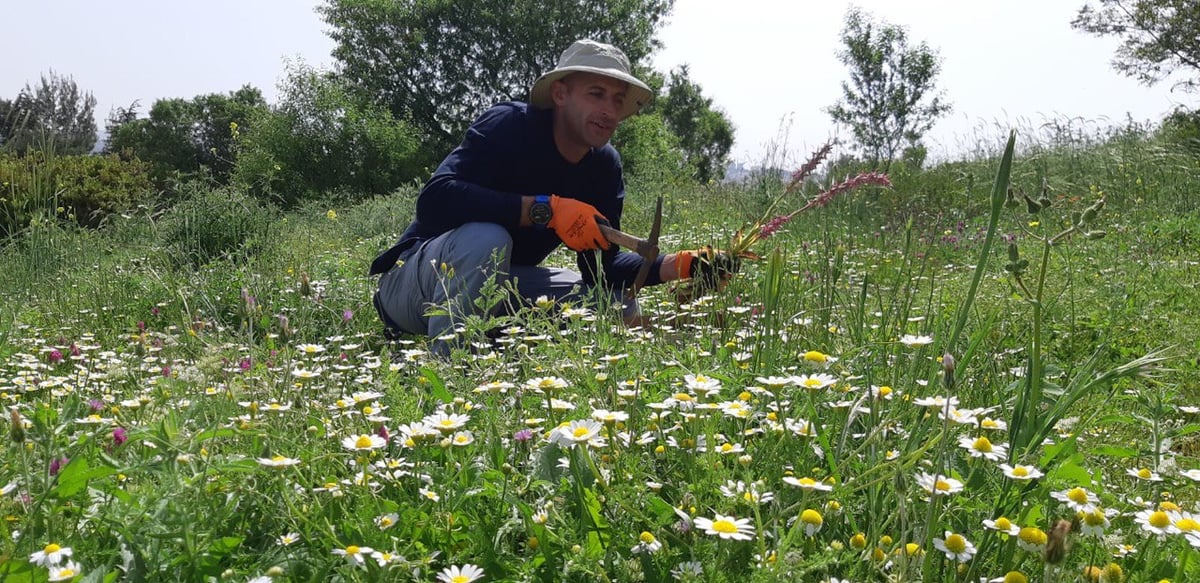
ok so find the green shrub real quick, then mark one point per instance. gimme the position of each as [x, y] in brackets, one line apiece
[210, 223]
[650, 154]
[319, 139]
[83, 189]
[1183, 127]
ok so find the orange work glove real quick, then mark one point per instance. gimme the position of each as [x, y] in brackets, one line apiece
[708, 268]
[577, 224]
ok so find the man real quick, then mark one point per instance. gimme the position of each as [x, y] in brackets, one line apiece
[526, 178]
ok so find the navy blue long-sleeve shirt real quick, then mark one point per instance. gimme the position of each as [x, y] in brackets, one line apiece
[507, 153]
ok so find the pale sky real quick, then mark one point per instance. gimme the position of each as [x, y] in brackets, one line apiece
[1005, 63]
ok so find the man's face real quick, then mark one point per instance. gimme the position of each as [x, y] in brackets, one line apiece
[589, 106]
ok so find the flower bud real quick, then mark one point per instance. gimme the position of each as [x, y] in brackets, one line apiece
[1031, 206]
[18, 427]
[1010, 199]
[1094, 235]
[1013, 254]
[948, 368]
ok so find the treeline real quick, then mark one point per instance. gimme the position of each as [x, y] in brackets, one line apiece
[409, 78]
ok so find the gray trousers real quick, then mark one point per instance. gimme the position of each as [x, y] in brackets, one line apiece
[449, 271]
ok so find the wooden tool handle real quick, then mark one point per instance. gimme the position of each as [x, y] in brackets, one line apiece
[621, 238]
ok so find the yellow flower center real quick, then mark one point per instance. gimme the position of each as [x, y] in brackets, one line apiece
[340, 403]
[885, 391]
[580, 432]
[277, 458]
[1015, 577]
[51, 548]
[1095, 518]
[368, 410]
[807, 482]
[858, 541]
[955, 543]
[1077, 495]
[724, 526]
[362, 442]
[726, 448]
[989, 424]
[352, 550]
[1187, 524]
[1159, 519]
[814, 356]
[683, 397]
[1020, 471]
[646, 537]
[1168, 506]
[983, 445]
[385, 521]
[912, 549]
[1033, 536]
[67, 572]
[812, 383]
[1003, 523]
[460, 579]
[942, 486]
[461, 438]
[1144, 474]
[701, 378]
[811, 516]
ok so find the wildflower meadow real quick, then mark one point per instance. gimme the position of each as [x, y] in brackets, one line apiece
[985, 370]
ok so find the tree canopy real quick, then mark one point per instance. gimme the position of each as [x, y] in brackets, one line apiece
[890, 100]
[440, 63]
[55, 112]
[1158, 37]
[705, 133]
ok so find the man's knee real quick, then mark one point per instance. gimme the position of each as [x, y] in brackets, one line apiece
[480, 243]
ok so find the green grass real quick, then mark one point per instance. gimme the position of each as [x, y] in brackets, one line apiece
[212, 369]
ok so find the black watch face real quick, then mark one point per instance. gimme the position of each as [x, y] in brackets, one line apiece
[539, 213]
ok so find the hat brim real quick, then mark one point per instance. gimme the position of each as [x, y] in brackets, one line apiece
[639, 94]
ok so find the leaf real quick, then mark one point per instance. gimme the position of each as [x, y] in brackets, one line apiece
[209, 434]
[74, 477]
[1115, 451]
[439, 387]
[1071, 472]
[663, 511]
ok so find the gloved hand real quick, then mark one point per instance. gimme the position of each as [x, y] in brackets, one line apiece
[708, 268]
[577, 224]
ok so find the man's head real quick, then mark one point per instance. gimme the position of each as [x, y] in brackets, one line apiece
[598, 59]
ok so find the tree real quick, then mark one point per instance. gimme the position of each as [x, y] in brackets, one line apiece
[1159, 37]
[885, 102]
[183, 136]
[55, 111]
[441, 63]
[319, 138]
[705, 134]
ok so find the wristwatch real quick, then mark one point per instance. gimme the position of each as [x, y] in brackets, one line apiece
[540, 211]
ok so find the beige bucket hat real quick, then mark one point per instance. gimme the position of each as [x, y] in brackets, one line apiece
[589, 56]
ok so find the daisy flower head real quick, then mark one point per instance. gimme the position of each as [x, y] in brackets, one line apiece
[726, 527]
[983, 447]
[815, 382]
[575, 432]
[1032, 539]
[936, 402]
[993, 424]
[938, 485]
[1095, 522]
[354, 554]
[807, 484]
[1144, 474]
[1155, 522]
[1192, 474]
[546, 384]
[445, 422]
[955, 546]
[1078, 499]
[701, 384]
[1183, 522]
[610, 417]
[813, 521]
[1011, 577]
[50, 555]
[1021, 473]
[65, 572]
[1002, 524]
[287, 539]
[915, 341]
[494, 387]
[647, 543]
[364, 442]
[774, 383]
[817, 358]
[278, 461]
[387, 520]
[464, 574]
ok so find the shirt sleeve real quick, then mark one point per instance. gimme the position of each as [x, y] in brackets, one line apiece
[457, 193]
